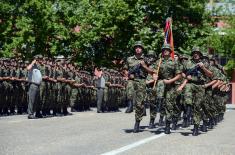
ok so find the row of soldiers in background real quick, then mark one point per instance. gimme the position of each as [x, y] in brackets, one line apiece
[195, 88]
[64, 85]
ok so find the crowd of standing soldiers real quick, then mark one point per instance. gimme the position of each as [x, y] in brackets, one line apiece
[64, 85]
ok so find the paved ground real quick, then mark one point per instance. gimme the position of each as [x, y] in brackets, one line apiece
[89, 133]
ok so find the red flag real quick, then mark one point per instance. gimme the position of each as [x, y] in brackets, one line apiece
[169, 35]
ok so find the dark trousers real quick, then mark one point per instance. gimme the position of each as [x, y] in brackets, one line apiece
[100, 96]
[34, 97]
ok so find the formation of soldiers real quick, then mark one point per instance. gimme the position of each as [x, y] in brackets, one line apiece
[192, 88]
[195, 88]
[64, 85]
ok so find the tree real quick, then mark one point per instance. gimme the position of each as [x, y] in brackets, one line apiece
[99, 30]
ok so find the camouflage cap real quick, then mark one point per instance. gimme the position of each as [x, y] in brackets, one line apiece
[38, 56]
[212, 57]
[196, 49]
[166, 46]
[176, 53]
[184, 56]
[7, 60]
[205, 56]
[138, 44]
[151, 52]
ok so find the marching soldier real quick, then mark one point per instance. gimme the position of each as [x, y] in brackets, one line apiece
[195, 74]
[138, 71]
[151, 90]
[169, 72]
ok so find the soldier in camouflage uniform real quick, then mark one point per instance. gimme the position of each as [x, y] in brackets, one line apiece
[44, 95]
[169, 73]
[209, 99]
[138, 72]
[195, 75]
[179, 104]
[7, 85]
[55, 80]
[21, 84]
[219, 94]
[183, 60]
[130, 95]
[151, 91]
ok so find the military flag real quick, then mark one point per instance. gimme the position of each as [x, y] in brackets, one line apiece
[169, 35]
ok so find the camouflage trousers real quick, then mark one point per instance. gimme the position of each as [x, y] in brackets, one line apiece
[194, 95]
[139, 96]
[151, 100]
[130, 90]
[220, 101]
[160, 88]
[209, 106]
[170, 101]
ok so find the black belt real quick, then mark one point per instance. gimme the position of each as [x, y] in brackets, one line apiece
[35, 84]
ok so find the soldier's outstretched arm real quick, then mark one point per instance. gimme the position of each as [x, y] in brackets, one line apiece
[181, 87]
[149, 70]
[206, 71]
[177, 77]
[154, 78]
[210, 83]
[216, 84]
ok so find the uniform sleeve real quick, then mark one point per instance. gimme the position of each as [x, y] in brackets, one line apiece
[178, 68]
[18, 73]
[77, 79]
[149, 77]
[215, 73]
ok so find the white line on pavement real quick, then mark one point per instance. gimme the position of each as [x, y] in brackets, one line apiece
[133, 145]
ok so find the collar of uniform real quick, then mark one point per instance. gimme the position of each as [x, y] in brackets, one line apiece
[167, 59]
[200, 60]
[141, 57]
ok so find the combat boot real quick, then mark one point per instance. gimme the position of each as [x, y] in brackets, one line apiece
[73, 109]
[195, 130]
[5, 112]
[137, 127]
[174, 124]
[188, 113]
[38, 114]
[167, 129]
[44, 114]
[144, 111]
[65, 112]
[215, 121]
[217, 118]
[184, 124]
[161, 123]
[31, 117]
[151, 124]
[130, 106]
[210, 125]
[221, 116]
[19, 111]
[204, 126]
[12, 111]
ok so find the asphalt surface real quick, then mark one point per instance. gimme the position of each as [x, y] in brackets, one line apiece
[91, 133]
